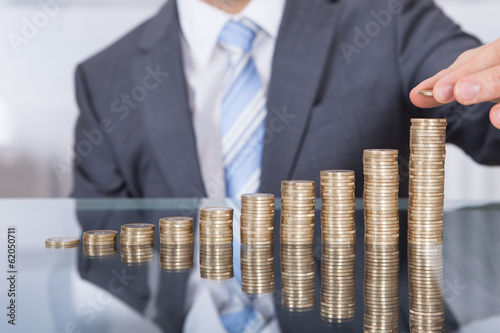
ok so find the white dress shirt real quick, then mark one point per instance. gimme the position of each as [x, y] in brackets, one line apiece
[206, 65]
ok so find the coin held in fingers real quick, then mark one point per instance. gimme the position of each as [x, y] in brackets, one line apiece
[428, 93]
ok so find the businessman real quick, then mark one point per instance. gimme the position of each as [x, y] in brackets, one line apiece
[217, 98]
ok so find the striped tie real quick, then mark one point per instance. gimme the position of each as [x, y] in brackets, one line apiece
[243, 112]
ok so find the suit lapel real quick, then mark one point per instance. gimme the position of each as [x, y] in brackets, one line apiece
[302, 47]
[165, 113]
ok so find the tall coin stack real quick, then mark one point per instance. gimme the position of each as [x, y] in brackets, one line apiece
[381, 240]
[257, 239]
[99, 243]
[177, 243]
[425, 224]
[216, 243]
[137, 243]
[338, 233]
[297, 244]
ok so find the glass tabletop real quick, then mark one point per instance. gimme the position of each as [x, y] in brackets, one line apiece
[67, 290]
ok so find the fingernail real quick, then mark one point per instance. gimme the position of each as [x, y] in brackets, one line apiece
[467, 91]
[444, 93]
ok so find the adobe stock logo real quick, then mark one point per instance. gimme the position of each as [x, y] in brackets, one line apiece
[363, 37]
[31, 26]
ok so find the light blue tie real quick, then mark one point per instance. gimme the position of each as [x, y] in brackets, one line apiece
[243, 112]
[242, 135]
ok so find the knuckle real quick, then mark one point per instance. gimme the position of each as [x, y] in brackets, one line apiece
[496, 80]
[442, 72]
[464, 55]
[490, 83]
[496, 47]
[467, 55]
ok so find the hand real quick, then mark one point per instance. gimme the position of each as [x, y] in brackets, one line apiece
[473, 78]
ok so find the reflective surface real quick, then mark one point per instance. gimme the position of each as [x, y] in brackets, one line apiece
[70, 291]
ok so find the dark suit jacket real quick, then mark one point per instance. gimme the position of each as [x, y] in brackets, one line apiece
[341, 74]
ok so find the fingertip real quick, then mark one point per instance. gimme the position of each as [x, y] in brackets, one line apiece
[416, 99]
[412, 93]
[495, 116]
[423, 102]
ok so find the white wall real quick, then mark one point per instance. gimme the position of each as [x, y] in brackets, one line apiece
[38, 109]
[37, 105]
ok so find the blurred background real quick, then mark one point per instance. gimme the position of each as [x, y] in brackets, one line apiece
[38, 109]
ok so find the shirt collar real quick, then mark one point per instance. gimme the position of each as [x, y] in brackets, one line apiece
[201, 23]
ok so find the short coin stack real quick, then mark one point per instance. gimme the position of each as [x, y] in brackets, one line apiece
[338, 245]
[137, 243]
[177, 243]
[137, 254]
[99, 243]
[381, 240]
[297, 212]
[137, 234]
[94, 251]
[62, 242]
[216, 243]
[425, 224]
[257, 239]
[178, 258]
[297, 244]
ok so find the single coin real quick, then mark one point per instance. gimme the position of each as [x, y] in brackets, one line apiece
[138, 237]
[101, 233]
[297, 183]
[426, 121]
[258, 196]
[176, 219]
[138, 228]
[428, 93]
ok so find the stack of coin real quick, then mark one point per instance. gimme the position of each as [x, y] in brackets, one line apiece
[97, 251]
[257, 268]
[425, 279]
[297, 277]
[216, 238]
[338, 282]
[177, 243]
[257, 219]
[425, 224]
[338, 240]
[337, 207]
[137, 254]
[62, 242]
[297, 212]
[257, 239]
[136, 240]
[178, 258]
[297, 239]
[381, 240]
[99, 243]
[176, 230]
[137, 234]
